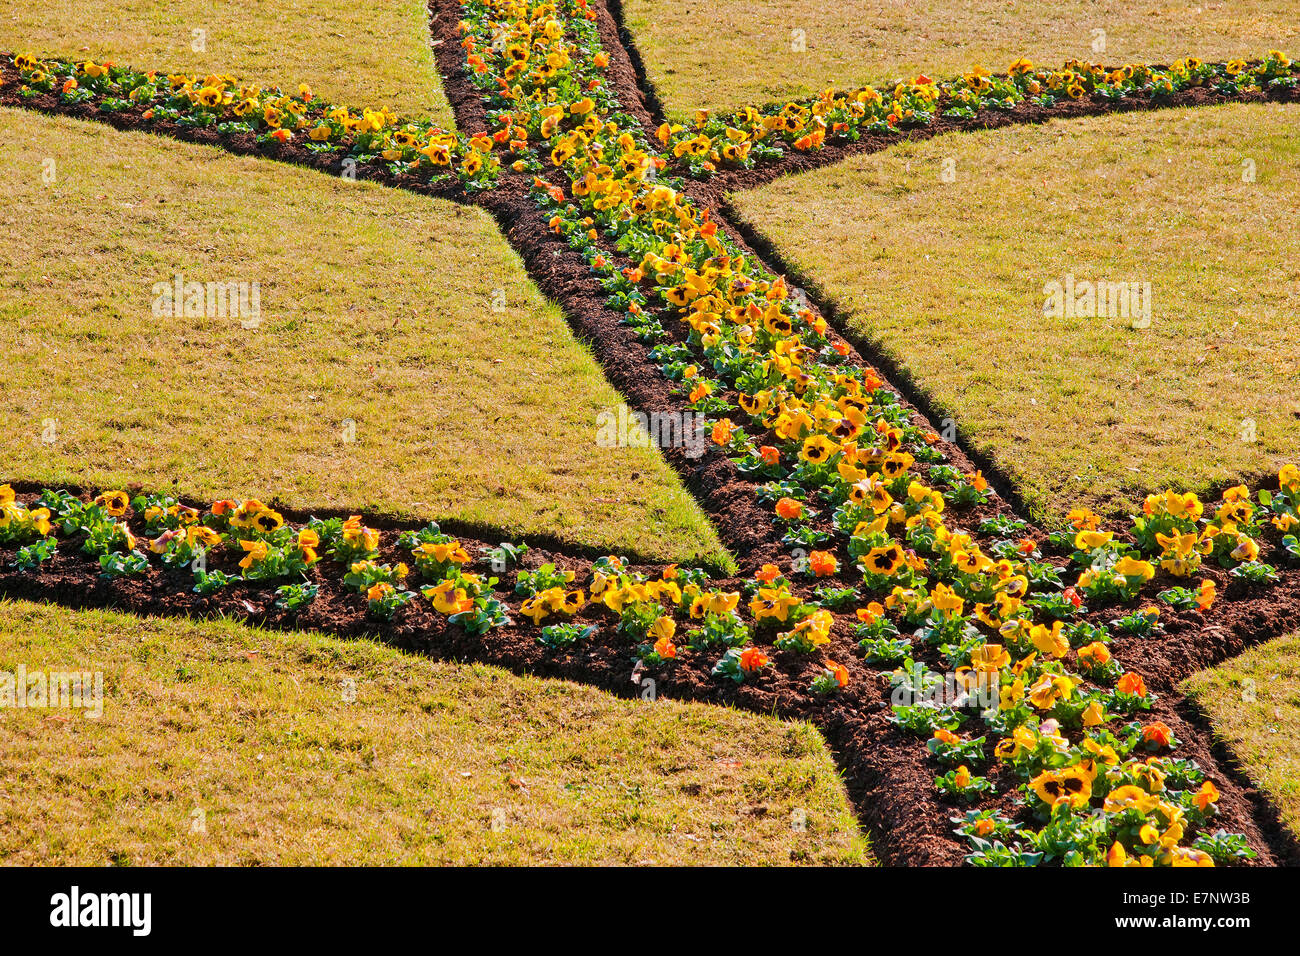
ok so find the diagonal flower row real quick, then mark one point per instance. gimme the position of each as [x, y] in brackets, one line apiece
[746, 137]
[370, 138]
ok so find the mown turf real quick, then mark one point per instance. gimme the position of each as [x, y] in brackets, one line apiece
[948, 278]
[358, 54]
[1253, 702]
[378, 308]
[222, 744]
[738, 52]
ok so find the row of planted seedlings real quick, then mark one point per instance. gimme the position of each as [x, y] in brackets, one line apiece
[856, 484]
[368, 138]
[752, 135]
[249, 543]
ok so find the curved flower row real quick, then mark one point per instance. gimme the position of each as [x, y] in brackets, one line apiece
[852, 479]
[741, 138]
[373, 137]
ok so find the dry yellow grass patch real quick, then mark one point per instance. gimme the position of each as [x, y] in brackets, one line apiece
[949, 279]
[220, 744]
[403, 362]
[1254, 704]
[357, 54]
[733, 53]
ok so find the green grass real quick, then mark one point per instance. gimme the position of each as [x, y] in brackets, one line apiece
[428, 763]
[377, 307]
[730, 53]
[1253, 702]
[357, 54]
[948, 278]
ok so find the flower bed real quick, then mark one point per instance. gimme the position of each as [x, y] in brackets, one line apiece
[745, 138]
[1044, 747]
[358, 141]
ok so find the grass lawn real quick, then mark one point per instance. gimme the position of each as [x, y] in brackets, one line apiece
[426, 763]
[380, 377]
[949, 279]
[737, 52]
[357, 54]
[1254, 705]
